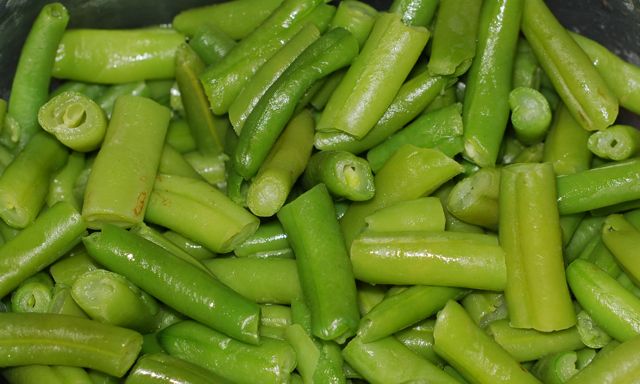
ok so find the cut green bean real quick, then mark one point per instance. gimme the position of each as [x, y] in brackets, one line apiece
[412, 98]
[440, 129]
[529, 344]
[485, 307]
[34, 338]
[107, 100]
[356, 17]
[403, 310]
[268, 73]
[452, 223]
[454, 37]
[590, 333]
[530, 114]
[479, 358]
[62, 302]
[388, 361]
[369, 296]
[270, 280]
[286, 161]
[213, 221]
[224, 81]
[582, 89]
[620, 365]
[123, 173]
[179, 136]
[422, 214]
[588, 228]
[30, 87]
[74, 119]
[63, 182]
[486, 107]
[25, 182]
[599, 187]
[52, 235]
[429, 258]
[208, 131]
[612, 307]
[236, 19]
[526, 70]
[410, 173]
[322, 95]
[597, 252]
[112, 299]
[415, 12]
[622, 78]
[314, 234]
[269, 240]
[344, 174]
[557, 368]
[211, 43]
[175, 282]
[90, 90]
[334, 50]
[536, 291]
[32, 296]
[32, 374]
[173, 163]
[209, 167]
[269, 362]
[117, 56]
[318, 362]
[67, 270]
[419, 339]
[374, 78]
[191, 247]
[622, 239]
[617, 142]
[474, 199]
[157, 368]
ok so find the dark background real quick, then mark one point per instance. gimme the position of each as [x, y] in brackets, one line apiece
[615, 23]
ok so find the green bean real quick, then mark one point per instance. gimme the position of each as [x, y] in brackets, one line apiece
[317, 362]
[173, 163]
[526, 70]
[531, 154]
[622, 78]
[32, 296]
[452, 223]
[208, 131]
[211, 43]
[175, 282]
[403, 310]
[32, 374]
[191, 247]
[374, 78]
[236, 19]
[412, 98]
[34, 338]
[179, 136]
[486, 108]
[344, 174]
[75, 120]
[388, 361]
[211, 168]
[556, 368]
[531, 237]
[30, 87]
[454, 37]
[107, 100]
[314, 234]
[268, 73]
[274, 319]
[410, 173]
[415, 12]
[440, 129]
[269, 240]
[356, 17]
[329, 84]
[63, 182]
[599, 187]
[269, 362]
[429, 258]
[620, 365]
[52, 234]
[479, 359]
[529, 344]
[160, 91]
[474, 199]
[530, 114]
[112, 299]
[334, 50]
[62, 302]
[485, 307]
[270, 280]
[117, 56]
[369, 296]
[588, 228]
[25, 182]
[90, 90]
[622, 239]
[286, 161]
[422, 214]
[419, 339]
[582, 89]
[67, 270]
[224, 81]
[597, 252]
[617, 142]
[590, 333]
[612, 307]
[214, 220]
[162, 368]
[122, 176]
